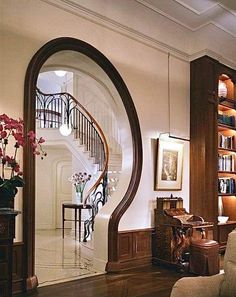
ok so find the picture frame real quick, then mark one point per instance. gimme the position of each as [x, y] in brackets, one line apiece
[169, 165]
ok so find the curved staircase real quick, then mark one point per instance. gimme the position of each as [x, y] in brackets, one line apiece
[54, 110]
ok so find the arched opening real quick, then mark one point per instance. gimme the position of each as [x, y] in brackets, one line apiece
[50, 48]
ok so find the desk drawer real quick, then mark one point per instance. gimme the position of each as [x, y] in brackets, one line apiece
[3, 271]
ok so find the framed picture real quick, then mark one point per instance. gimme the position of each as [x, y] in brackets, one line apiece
[169, 165]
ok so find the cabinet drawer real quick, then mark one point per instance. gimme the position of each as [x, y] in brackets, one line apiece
[3, 253]
[4, 271]
[3, 289]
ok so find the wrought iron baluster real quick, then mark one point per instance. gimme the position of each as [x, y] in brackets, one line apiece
[99, 198]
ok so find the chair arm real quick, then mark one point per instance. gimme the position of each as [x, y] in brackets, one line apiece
[201, 286]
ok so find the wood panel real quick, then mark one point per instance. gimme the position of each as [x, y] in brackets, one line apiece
[203, 151]
[134, 249]
[17, 269]
[142, 244]
[125, 246]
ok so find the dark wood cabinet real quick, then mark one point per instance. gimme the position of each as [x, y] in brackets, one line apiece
[213, 144]
[223, 231]
[7, 233]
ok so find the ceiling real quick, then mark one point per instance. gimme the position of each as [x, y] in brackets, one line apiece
[197, 14]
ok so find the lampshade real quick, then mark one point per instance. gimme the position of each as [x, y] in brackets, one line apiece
[65, 129]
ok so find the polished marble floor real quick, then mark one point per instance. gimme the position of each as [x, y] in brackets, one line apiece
[59, 260]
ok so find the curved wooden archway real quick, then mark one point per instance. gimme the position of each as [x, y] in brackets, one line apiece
[50, 48]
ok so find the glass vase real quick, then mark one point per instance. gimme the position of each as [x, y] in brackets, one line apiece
[79, 197]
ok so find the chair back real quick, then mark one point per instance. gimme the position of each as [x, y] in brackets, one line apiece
[230, 253]
[228, 287]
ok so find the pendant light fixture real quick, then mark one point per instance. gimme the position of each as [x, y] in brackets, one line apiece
[167, 135]
[60, 73]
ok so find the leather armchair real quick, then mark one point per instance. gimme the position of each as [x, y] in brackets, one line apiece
[220, 285]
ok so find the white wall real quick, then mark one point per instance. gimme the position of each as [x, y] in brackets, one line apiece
[27, 25]
[52, 187]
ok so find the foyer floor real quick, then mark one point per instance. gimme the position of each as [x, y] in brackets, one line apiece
[59, 260]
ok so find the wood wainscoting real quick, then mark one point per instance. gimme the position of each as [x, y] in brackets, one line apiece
[17, 269]
[134, 249]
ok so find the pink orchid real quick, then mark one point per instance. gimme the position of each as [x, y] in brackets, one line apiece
[41, 140]
[14, 128]
[31, 135]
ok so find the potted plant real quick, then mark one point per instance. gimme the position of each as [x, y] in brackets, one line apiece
[12, 134]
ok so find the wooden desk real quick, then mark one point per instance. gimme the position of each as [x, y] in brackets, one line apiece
[75, 220]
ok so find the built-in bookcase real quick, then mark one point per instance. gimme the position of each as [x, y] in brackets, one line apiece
[213, 144]
[226, 146]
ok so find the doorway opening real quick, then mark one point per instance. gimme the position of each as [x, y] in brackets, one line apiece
[68, 156]
[106, 249]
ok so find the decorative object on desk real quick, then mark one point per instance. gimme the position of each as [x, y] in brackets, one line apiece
[12, 132]
[79, 180]
[222, 219]
[169, 165]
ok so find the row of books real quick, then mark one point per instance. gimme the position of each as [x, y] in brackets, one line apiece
[226, 185]
[225, 162]
[227, 120]
[226, 142]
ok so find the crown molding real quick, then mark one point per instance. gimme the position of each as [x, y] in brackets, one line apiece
[78, 10]
[198, 12]
[214, 55]
[192, 29]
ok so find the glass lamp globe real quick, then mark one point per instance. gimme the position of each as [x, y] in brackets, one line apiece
[60, 73]
[65, 129]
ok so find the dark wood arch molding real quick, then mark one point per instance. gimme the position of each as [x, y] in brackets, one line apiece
[50, 48]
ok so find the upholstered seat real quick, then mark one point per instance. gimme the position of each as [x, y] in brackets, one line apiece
[220, 285]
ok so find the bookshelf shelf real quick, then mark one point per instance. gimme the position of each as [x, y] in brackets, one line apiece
[226, 150]
[227, 103]
[214, 171]
[227, 172]
[222, 127]
[223, 107]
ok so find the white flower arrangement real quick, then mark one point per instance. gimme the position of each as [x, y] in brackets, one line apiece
[79, 180]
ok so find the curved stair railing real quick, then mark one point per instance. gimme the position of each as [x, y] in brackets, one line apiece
[53, 110]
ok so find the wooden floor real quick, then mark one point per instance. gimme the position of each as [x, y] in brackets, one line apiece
[144, 282]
